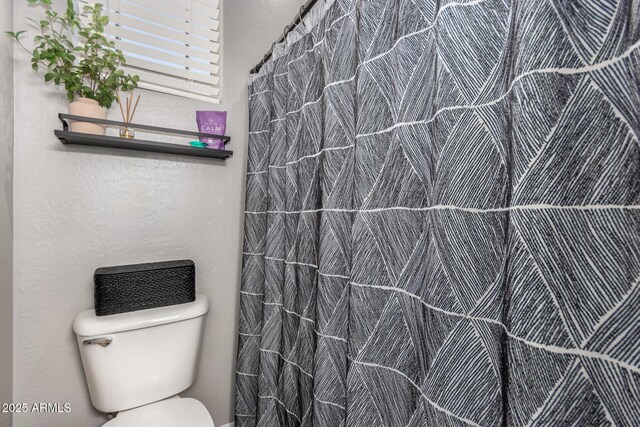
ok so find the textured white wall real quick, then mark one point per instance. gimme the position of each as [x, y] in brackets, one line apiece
[6, 176]
[78, 208]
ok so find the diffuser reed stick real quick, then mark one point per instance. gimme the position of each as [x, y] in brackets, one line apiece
[135, 107]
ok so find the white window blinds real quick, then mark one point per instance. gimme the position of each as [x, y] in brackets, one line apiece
[173, 45]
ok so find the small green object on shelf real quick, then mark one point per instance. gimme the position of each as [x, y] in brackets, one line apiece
[198, 144]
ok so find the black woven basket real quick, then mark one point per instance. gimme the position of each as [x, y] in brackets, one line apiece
[125, 288]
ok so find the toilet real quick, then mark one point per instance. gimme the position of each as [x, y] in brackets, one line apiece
[136, 363]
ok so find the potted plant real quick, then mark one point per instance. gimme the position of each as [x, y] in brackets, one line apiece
[77, 54]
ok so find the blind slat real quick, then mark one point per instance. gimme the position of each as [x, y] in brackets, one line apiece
[204, 20]
[176, 83]
[171, 71]
[153, 8]
[170, 54]
[185, 94]
[206, 8]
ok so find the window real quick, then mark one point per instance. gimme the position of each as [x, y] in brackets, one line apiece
[173, 45]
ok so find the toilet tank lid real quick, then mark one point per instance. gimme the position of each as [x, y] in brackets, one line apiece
[166, 413]
[88, 324]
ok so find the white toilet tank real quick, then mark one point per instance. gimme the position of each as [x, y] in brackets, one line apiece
[132, 359]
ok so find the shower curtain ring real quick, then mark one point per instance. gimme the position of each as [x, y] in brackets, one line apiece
[284, 33]
[300, 15]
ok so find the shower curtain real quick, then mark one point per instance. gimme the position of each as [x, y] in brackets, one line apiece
[442, 220]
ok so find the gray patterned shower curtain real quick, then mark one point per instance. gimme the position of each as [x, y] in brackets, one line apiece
[442, 219]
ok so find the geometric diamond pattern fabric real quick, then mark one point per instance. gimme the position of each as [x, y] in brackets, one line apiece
[442, 219]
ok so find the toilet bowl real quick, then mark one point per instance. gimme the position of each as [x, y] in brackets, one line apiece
[137, 363]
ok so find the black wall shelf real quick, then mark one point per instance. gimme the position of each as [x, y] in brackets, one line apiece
[67, 137]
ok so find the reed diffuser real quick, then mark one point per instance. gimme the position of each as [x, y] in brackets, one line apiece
[128, 110]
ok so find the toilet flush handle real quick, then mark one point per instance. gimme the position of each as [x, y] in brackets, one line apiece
[102, 341]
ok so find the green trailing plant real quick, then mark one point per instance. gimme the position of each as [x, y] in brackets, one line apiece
[77, 54]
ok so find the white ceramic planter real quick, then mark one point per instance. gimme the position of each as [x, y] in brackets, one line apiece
[88, 108]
